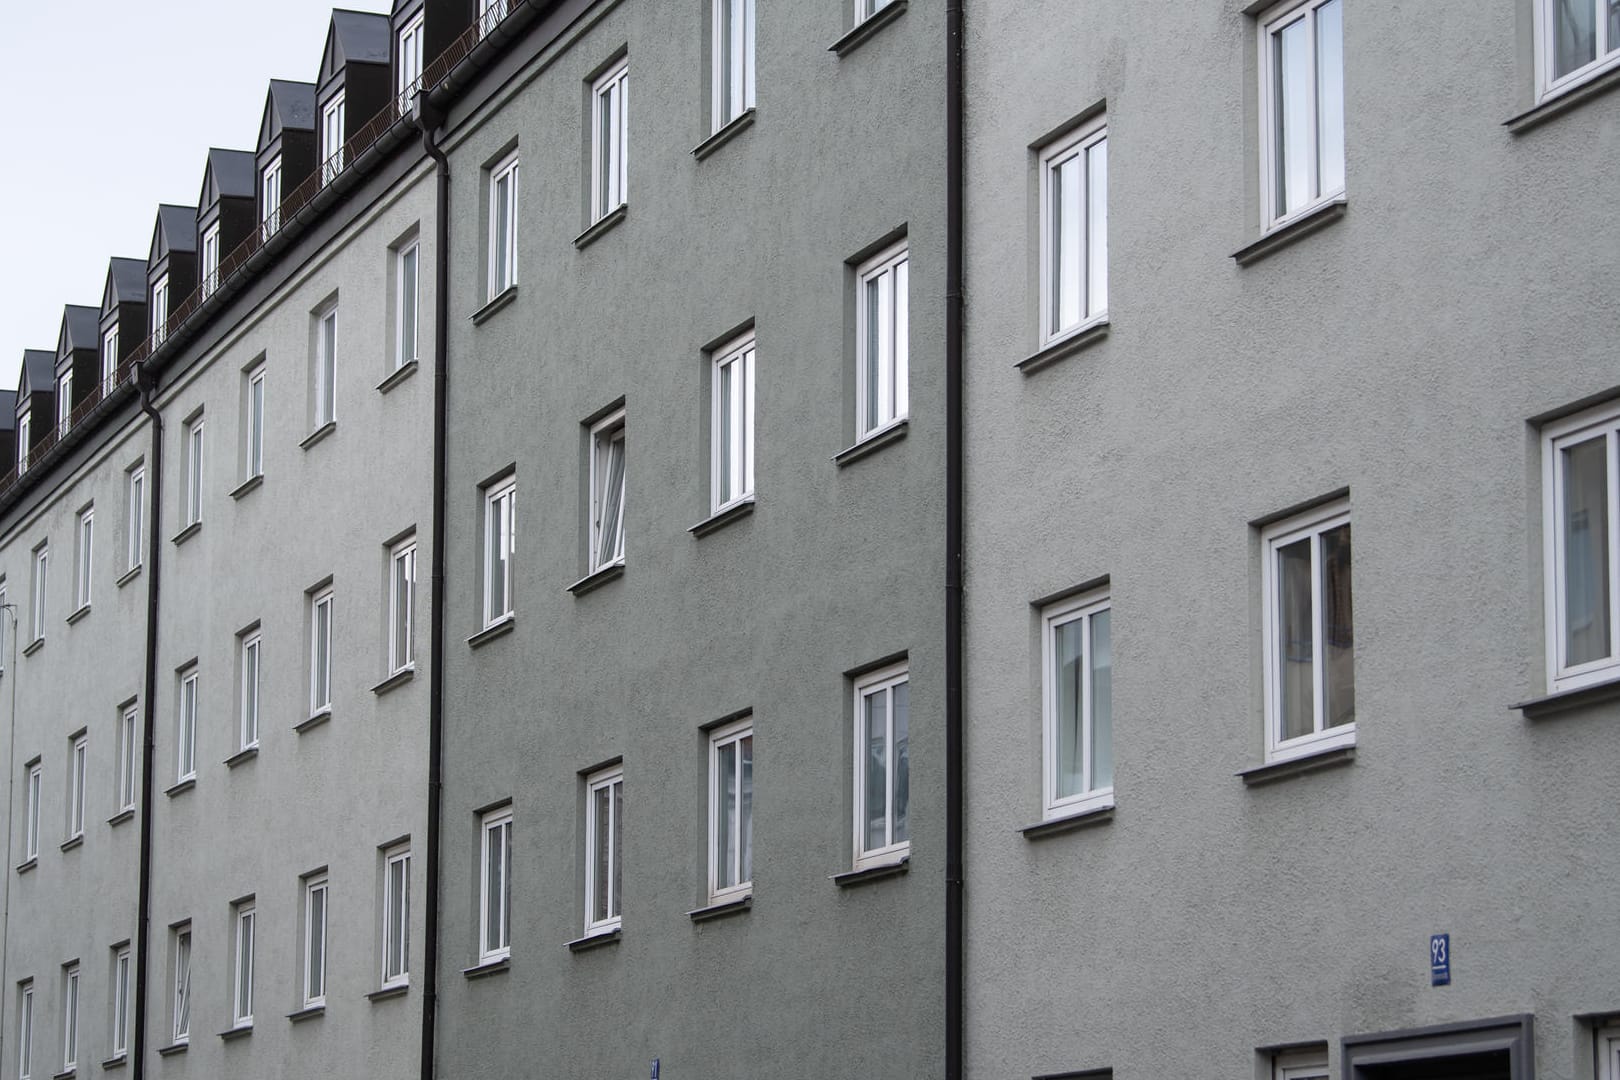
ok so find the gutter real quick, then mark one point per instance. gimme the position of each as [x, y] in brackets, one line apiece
[954, 421]
[154, 550]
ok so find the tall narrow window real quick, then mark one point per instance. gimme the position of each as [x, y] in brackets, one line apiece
[127, 747]
[242, 977]
[160, 310]
[1302, 107]
[1579, 39]
[495, 887]
[186, 728]
[135, 536]
[1074, 232]
[210, 260]
[409, 65]
[731, 812]
[610, 140]
[490, 13]
[25, 1030]
[194, 472]
[332, 139]
[406, 287]
[503, 195]
[1310, 634]
[31, 812]
[604, 821]
[36, 606]
[607, 492]
[78, 772]
[500, 542]
[1079, 739]
[254, 390]
[109, 359]
[64, 403]
[315, 941]
[402, 607]
[882, 767]
[396, 928]
[326, 368]
[70, 1017]
[120, 1009]
[882, 341]
[85, 560]
[249, 732]
[25, 442]
[180, 1018]
[270, 199]
[320, 653]
[732, 477]
[733, 60]
[1581, 496]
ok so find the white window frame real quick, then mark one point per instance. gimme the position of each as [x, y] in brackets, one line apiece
[315, 924]
[70, 1016]
[490, 14]
[1300, 1065]
[84, 565]
[890, 271]
[180, 1001]
[37, 608]
[25, 1030]
[1311, 524]
[402, 608]
[78, 774]
[396, 899]
[610, 152]
[1271, 22]
[730, 735]
[120, 1003]
[604, 434]
[128, 732]
[409, 62]
[500, 537]
[502, 260]
[186, 728]
[1082, 145]
[881, 681]
[407, 285]
[135, 548]
[607, 779]
[494, 822]
[160, 310]
[1549, 85]
[270, 198]
[248, 706]
[31, 800]
[325, 373]
[192, 492]
[1603, 423]
[255, 423]
[210, 259]
[25, 429]
[64, 402]
[731, 468]
[332, 124]
[1608, 1052]
[245, 922]
[320, 666]
[109, 359]
[732, 60]
[865, 9]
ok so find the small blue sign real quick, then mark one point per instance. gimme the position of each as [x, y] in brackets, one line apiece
[1439, 959]
[655, 1069]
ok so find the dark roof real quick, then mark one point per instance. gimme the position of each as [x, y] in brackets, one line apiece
[81, 328]
[355, 37]
[126, 282]
[289, 106]
[176, 230]
[232, 174]
[8, 410]
[38, 370]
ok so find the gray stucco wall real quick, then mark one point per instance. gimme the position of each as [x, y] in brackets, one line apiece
[836, 568]
[1399, 353]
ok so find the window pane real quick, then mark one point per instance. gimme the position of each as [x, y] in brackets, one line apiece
[618, 850]
[495, 886]
[724, 438]
[244, 968]
[398, 913]
[317, 942]
[877, 769]
[1291, 67]
[901, 779]
[1295, 640]
[1330, 97]
[1338, 630]
[1068, 228]
[503, 233]
[725, 816]
[874, 337]
[1574, 35]
[1097, 228]
[900, 330]
[603, 853]
[745, 810]
[612, 537]
[1586, 552]
[407, 301]
[1067, 646]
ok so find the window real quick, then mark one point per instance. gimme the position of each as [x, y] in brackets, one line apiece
[1302, 108]
[181, 1016]
[332, 139]
[160, 310]
[64, 402]
[186, 728]
[865, 9]
[136, 517]
[402, 607]
[78, 762]
[210, 260]
[406, 300]
[882, 341]
[249, 706]
[607, 492]
[1581, 496]
[24, 442]
[326, 368]
[36, 607]
[242, 982]
[503, 195]
[270, 199]
[1300, 1065]
[410, 63]
[490, 13]
[604, 859]
[70, 1017]
[733, 60]
[1074, 232]
[1579, 39]
[320, 652]
[31, 813]
[500, 540]
[109, 359]
[194, 472]
[731, 812]
[1309, 634]
[120, 1008]
[396, 928]
[732, 474]
[1608, 1053]
[126, 757]
[495, 887]
[610, 142]
[82, 565]
[882, 767]
[315, 941]
[25, 1030]
[253, 458]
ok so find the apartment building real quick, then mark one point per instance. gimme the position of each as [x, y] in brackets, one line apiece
[1247, 281]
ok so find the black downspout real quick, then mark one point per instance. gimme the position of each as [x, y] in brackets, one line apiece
[954, 416]
[441, 353]
[154, 548]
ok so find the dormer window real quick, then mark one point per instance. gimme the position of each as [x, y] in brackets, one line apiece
[210, 260]
[109, 358]
[410, 62]
[24, 430]
[490, 14]
[332, 139]
[160, 310]
[270, 199]
[64, 402]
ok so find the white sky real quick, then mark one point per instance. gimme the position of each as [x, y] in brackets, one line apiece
[111, 107]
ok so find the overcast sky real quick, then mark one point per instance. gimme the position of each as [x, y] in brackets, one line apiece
[111, 109]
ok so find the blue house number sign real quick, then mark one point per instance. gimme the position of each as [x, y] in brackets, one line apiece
[1439, 959]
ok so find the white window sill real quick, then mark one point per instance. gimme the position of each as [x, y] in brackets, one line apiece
[874, 871]
[315, 721]
[602, 225]
[728, 131]
[319, 434]
[79, 613]
[1081, 337]
[397, 376]
[873, 441]
[1069, 819]
[868, 26]
[243, 756]
[247, 485]
[1282, 233]
[1317, 758]
[178, 1047]
[1578, 697]
[597, 578]
[723, 517]
[187, 533]
[180, 786]
[721, 909]
[396, 680]
[240, 1031]
[1560, 99]
[72, 842]
[595, 939]
[308, 1012]
[496, 302]
[492, 965]
[28, 864]
[499, 628]
[34, 646]
[126, 814]
[129, 575]
[389, 992]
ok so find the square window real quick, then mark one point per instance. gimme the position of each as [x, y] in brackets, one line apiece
[882, 341]
[1074, 232]
[731, 812]
[610, 140]
[409, 65]
[78, 772]
[402, 606]
[249, 705]
[732, 60]
[406, 296]
[120, 1002]
[84, 557]
[253, 422]
[320, 652]
[244, 919]
[25, 1029]
[604, 815]
[332, 127]
[607, 492]
[270, 199]
[500, 543]
[1309, 633]
[1581, 499]
[396, 917]
[1309, 1064]
[186, 727]
[70, 1016]
[503, 196]
[128, 746]
[1578, 40]
[135, 517]
[31, 811]
[495, 887]
[1078, 706]
[324, 368]
[315, 893]
[180, 983]
[210, 259]
[732, 441]
[192, 493]
[36, 606]
[1301, 108]
[882, 767]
